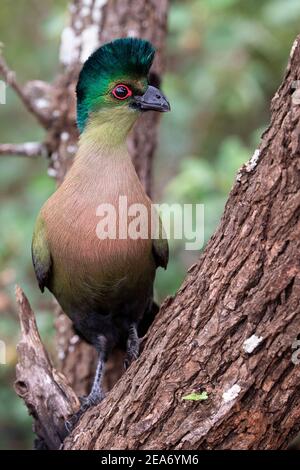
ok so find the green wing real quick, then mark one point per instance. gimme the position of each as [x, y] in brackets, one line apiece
[160, 248]
[41, 256]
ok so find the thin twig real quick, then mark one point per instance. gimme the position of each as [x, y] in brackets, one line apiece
[27, 149]
[10, 78]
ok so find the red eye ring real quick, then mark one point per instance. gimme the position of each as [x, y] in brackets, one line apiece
[121, 92]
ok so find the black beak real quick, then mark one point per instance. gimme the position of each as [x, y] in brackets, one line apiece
[153, 99]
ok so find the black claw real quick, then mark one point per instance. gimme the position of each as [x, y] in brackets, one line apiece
[131, 356]
[86, 402]
[132, 353]
[72, 421]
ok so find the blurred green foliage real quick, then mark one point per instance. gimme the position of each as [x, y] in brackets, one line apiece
[225, 61]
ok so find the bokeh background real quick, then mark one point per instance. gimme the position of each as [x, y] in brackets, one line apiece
[225, 59]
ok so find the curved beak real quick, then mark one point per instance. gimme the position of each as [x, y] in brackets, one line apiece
[153, 100]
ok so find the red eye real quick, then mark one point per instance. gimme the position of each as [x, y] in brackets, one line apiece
[122, 92]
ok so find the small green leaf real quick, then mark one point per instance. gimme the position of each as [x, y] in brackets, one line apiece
[196, 396]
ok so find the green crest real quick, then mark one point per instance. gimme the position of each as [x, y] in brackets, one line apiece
[127, 57]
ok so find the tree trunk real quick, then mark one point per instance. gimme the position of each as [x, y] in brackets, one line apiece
[231, 329]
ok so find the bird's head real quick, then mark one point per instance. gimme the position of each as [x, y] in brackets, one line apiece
[113, 84]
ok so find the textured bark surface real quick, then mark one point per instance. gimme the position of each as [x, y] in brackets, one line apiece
[48, 397]
[231, 328]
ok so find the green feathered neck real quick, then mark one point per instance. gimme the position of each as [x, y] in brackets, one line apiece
[127, 58]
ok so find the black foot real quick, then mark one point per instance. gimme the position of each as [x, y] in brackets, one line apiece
[133, 348]
[86, 402]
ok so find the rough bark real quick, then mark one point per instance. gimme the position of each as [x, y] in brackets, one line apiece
[231, 328]
[48, 397]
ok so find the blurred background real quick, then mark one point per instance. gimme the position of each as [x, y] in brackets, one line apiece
[225, 59]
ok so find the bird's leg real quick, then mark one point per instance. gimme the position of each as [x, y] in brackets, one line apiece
[96, 394]
[133, 346]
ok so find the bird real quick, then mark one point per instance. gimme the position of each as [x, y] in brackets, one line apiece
[104, 285]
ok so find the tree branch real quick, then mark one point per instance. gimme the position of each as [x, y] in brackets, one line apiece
[27, 149]
[10, 78]
[49, 399]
